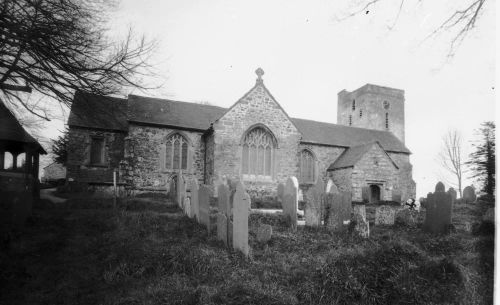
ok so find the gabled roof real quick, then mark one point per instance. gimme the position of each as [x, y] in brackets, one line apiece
[172, 113]
[351, 156]
[95, 111]
[11, 129]
[346, 136]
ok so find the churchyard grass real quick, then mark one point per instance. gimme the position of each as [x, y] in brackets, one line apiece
[144, 251]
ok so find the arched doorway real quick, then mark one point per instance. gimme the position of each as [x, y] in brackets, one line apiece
[374, 193]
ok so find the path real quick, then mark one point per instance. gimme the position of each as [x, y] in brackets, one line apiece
[48, 195]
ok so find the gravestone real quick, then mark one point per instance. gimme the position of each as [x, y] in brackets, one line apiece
[240, 220]
[187, 206]
[181, 190]
[406, 217]
[172, 189]
[264, 233]
[281, 192]
[469, 194]
[438, 211]
[453, 194]
[361, 227]
[217, 182]
[331, 187]
[314, 204]
[439, 187]
[222, 228]
[223, 199]
[396, 196]
[290, 201]
[489, 216]
[195, 208]
[384, 215]
[339, 210]
[360, 209]
[204, 205]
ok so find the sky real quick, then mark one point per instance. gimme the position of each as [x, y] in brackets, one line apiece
[208, 52]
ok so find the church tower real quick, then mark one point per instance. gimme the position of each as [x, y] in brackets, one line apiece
[373, 107]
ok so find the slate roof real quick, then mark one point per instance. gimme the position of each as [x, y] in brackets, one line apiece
[92, 112]
[172, 113]
[352, 155]
[346, 136]
[11, 129]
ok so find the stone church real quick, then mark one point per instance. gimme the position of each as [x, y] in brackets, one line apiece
[148, 141]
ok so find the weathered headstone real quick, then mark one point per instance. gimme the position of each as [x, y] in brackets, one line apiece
[469, 194]
[453, 194]
[222, 228]
[217, 182]
[281, 192]
[187, 206]
[313, 206]
[181, 190]
[331, 187]
[264, 233]
[384, 215]
[339, 208]
[204, 204]
[489, 216]
[240, 220]
[438, 211]
[406, 217]
[362, 227]
[440, 187]
[290, 201]
[396, 196]
[223, 199]
[195, 208]
[172, 189]
[360, 209]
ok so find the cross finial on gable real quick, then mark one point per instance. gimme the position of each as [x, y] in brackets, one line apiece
[259, 73]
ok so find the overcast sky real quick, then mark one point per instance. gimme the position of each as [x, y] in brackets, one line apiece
[208, 51]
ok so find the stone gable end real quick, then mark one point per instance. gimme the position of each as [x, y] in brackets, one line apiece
[256, 108]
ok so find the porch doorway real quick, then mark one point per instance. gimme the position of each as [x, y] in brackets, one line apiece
[374, 193]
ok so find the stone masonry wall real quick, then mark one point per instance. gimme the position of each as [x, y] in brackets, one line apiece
[78, 164]
[374, 168]
[143, 148]
[404, 181]
[256, 107]
[342, 179]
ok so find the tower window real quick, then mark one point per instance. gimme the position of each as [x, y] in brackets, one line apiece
[387, 120]
[360, 112]
[353, 104]
[350, 120]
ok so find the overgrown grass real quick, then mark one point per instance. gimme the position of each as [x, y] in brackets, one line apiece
[143, 251]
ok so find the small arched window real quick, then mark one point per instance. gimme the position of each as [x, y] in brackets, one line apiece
[258, 152]
[307, 167]
[21, 161]
[386, 120]
[8, 161]
[353, 105]
[176, 152]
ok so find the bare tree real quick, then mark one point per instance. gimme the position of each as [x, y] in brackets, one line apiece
[460, 21]
[55, 47]
[450, 156]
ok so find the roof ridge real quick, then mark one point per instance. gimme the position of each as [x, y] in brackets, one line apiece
[174, 101]
[336, 124]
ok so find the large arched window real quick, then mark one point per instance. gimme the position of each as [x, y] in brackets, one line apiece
[176, 152]
[259, 148]
[307, 167]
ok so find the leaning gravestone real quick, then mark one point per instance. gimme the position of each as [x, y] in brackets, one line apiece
[222, 228]
[384, 215]
[195, 208]
[360, 209]
[453, 194]
[290, 201]
[264, 233]
[240, 220]
[339, 210]
[313, 205]
[469, 194]
[438, 210]
[204, 204]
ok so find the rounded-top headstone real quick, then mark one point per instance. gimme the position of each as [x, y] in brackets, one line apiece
[469, 194]
[440, 187]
